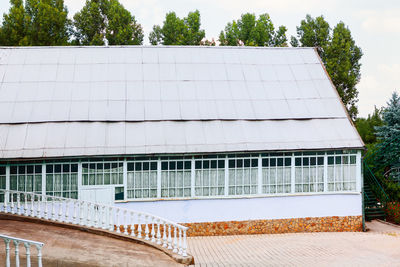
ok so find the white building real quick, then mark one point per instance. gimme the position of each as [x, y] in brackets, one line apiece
[193, 134]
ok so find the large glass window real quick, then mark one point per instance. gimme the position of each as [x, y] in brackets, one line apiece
[342, 172]
[26, 178]
[210, 177]
[243, 174]
[276, 175]
[62, 180]
[309, 173]
[175, 178]
[142, 179]
[102, 173]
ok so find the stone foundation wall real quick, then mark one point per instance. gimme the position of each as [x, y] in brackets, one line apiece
[277, 226]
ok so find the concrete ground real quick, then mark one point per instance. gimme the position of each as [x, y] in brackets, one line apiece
[67, 247]
[380, 246]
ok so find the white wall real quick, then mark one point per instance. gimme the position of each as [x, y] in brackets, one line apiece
[212, 210]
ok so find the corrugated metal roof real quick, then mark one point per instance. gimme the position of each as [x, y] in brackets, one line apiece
[46, 90]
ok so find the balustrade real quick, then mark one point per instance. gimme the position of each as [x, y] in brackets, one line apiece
[27, 244]
[141, 225]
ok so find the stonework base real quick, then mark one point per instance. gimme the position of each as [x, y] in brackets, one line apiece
[277, 226]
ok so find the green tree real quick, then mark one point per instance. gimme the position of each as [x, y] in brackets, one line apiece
[250, 31]
[389, 133]
[14, 26]
[106, 20]
[38, 22]
[339, 54]
[366, 126]
[177, 31]
[48, 22]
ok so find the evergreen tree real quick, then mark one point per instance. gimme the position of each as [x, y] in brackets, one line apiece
[106, 20]
[250, 31]
[339, 54]
[389, 133]
[177, 31]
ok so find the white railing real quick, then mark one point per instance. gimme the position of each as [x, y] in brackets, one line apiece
[137, 224]
[27, 244]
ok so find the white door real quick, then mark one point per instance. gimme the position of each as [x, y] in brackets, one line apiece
[103, 195]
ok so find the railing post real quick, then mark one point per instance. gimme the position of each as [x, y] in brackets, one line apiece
[125, 223]
[165, 242]
[184, 253]
[7, 243]
[180, 250]
[16, 246]
[53, 217]
[158, 232]
[38, 210]
[117, 220]
[39, 255]
[175, 250]
[169, 237]
[139, 227]
[32, 205]
[12, 203]
[18, 204]
[111, 218]
[28, 254]
[132, 225]
[146, 231]
[153, 233]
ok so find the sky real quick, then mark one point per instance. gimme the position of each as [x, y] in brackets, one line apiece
[375, 27]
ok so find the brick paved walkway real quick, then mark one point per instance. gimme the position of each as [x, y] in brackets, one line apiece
[378, 247]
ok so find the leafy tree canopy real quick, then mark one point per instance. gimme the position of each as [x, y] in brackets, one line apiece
[250, 31]
[106, 20]
[339, 54]
[366, 126]
[176, 31]
[38, 22]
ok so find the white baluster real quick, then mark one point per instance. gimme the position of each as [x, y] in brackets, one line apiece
[180, 250]
[18, 204]
[111, 217]
[46, 215]
[6, 194]
[25, 204]
[117, 220]
[169, 237]
[146, 231]
[165, 242]
[96, 216]
[7, 243]
[175, 250]
[132, 225]
[103, 218]
[12, 203]
[38, 211]
[60, 210]
[75, 207]
[139, 227]
[32, 206]
[88, 214]
[125, 223]
[184, 246]
[16, 245]
[53, 217]
[66, 216]
[153, 233]
[158, 232]
[28, 254]
[39, 255]
[81, 221]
